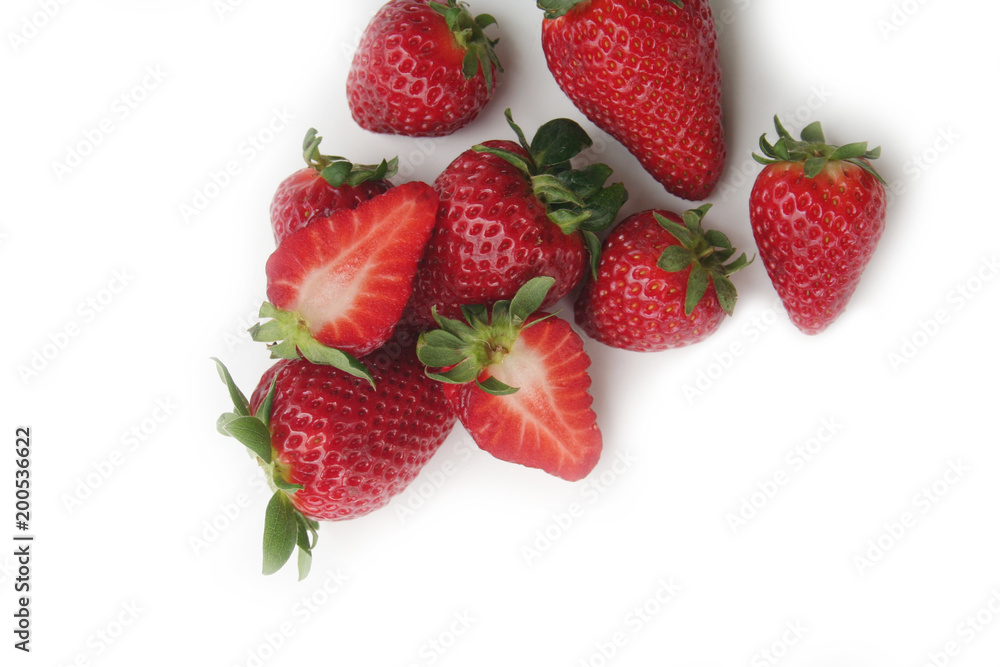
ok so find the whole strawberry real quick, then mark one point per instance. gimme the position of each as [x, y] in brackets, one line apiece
[662, 283]
[818, 212]
[510, 213]
[518, 381]
[648, 74]
[329, 183]
[333, 447]
[423, 68]
[338, 286]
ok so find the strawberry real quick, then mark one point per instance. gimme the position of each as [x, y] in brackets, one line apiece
[422, 69]
[338, 286]
[648, 74]
[513, 212]
[662, 283]
[329, 183]
[817, 213]
[333, 447]
[518, 382]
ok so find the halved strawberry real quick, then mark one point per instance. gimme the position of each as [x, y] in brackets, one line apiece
[518, 382]
[327, 184]
[337, 287]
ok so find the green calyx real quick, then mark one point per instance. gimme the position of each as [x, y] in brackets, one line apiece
[483, 339]
[285, 527]
[555, 8]
[290, 338]
[469, 33]
[338, 171]
[706, 253]
[814, 151]
[575, 199]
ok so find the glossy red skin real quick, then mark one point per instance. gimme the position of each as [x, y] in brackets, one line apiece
[636, 305]
[553, 429]
[305, 196]
[353, 447]
[492, 235]
[816, 236]
[380, 243]
[648, 74]
[406, 76]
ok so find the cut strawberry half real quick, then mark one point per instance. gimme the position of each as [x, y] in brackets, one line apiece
[518, 382]
[338, 286]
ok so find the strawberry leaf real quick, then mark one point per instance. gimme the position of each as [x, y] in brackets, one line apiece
[267, 405]
[280, 532]
[223, 420]
[593, 251]
[466, 371]
[513, 158]
[814, 165]
[318, 353]
[675, 258]
[697, 286]
[556, 8]
[252, 433]
[240, 403]
[603, 207]
[813, 133]
[530, 297]
[725, 291]
[336, 174]
[558, 141]
[493, 386]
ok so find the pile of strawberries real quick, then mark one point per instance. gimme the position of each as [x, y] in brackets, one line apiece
[396, 309]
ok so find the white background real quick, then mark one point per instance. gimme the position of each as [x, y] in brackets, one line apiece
[482, 562]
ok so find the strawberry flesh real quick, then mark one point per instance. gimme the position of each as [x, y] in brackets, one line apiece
[548, 423]
[348, 276]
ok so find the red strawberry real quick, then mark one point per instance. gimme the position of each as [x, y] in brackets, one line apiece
[333, 447]
[328, 184]
[647, 73]
[817, 213]
[662, 283]
[518, 382]
[338, 286]
[510, 213]
[423, 68]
